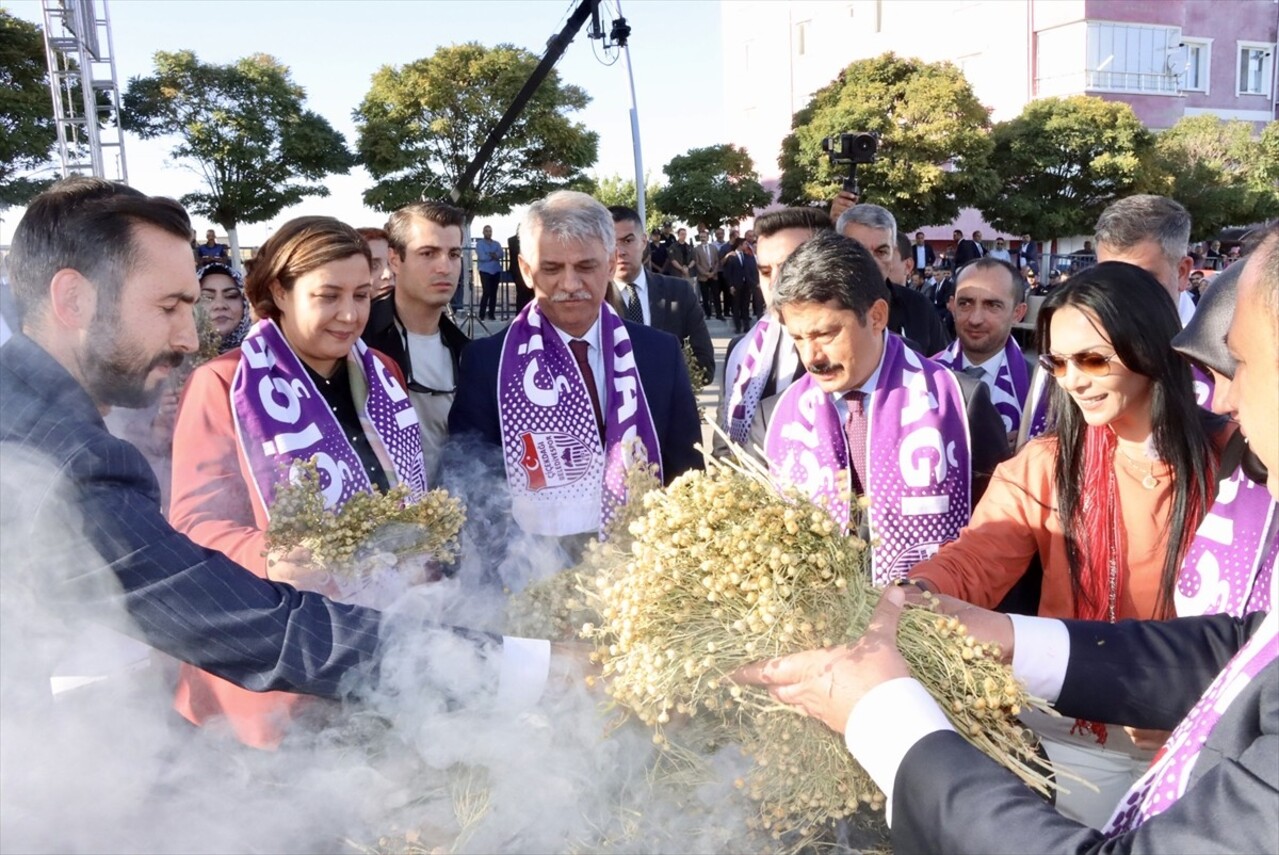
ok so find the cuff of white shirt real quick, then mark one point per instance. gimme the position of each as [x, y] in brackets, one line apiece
[885, 724]
[1041, 650]
[526, 663]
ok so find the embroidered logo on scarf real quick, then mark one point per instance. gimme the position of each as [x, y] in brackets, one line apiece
[563, 480]
[1011, 386]
[918, 456]
[281, 417]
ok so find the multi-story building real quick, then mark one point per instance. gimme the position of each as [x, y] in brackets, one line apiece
[1167, 58]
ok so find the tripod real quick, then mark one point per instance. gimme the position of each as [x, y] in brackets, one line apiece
[467, 322]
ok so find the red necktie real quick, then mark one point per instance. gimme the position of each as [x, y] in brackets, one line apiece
[855, 430]
[579, 348]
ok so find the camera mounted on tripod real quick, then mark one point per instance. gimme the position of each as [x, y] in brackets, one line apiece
[851, 149]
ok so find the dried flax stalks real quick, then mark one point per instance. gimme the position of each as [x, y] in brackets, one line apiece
[721, 569]
[369, 531]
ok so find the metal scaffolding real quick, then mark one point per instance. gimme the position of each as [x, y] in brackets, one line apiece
[82, 84]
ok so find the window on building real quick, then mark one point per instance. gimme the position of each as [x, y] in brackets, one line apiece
[1132, 58]
[1255, 68]
[1198, 61]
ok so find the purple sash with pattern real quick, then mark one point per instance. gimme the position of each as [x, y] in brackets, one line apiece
[749, 375]
[1041, 394]
[1167, 780]
[562, 479]
[280, 417]
[1011, 386]
[918, 453]
[1229, 563]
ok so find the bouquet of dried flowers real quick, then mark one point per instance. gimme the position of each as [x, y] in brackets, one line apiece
[721, 569]
[697, 375]
[368, 533]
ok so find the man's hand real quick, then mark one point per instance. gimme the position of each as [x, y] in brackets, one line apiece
[826, 684]
[1149, 740]
[984, 625]
[843, 200]
[295, 568]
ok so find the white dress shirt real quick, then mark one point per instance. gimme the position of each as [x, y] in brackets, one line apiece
[594, 353]
[641, 288]
[896, 714]
[989, 369]
[868, 388]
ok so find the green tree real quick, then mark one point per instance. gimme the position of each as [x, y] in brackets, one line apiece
[421, 124]
[710, 186]
[616, 190]
[243, 128]
[1063, 160]
[27, 131]
[1220, 172]
[934, 140]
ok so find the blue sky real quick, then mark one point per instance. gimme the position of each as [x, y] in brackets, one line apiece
[334, 46]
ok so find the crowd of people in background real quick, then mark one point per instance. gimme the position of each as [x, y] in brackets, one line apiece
[1081, 479]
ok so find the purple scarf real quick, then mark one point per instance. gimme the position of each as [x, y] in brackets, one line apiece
[1228, 566]
[562, 480]
[918, 453]
[1011, 386]
[1167, 780]
[749, 377]
[280, 417]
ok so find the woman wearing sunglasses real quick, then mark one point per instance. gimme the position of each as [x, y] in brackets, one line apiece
[1109, 501]
[301, 386]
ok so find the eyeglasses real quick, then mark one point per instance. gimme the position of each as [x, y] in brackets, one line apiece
[413, 385]
[1092, 364]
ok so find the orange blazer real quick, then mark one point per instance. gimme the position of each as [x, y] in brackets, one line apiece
[1017, 518]
[213, 502]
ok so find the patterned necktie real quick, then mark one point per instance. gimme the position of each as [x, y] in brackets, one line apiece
[579, 348]
[634, 311]
[855, 430]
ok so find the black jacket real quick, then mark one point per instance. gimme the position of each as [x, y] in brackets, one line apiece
[383, 332]
[673, 307]
[911, 316]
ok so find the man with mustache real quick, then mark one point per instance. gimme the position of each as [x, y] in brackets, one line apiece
[570, 394]
[409, 324]
[103, 277]
[872, 417]
[1214, 678]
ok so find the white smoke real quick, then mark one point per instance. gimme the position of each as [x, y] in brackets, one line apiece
[424, 764]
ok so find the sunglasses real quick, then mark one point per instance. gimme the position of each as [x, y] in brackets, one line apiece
[1092, 364]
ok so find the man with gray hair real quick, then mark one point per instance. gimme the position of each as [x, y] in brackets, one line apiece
[1152, 232]
[910, 313]
[570, 394]
[869, 417]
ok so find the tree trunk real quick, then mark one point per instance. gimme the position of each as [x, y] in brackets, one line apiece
[468, 268]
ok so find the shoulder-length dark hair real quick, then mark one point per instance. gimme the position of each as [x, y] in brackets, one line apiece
[1139, 318]
[298, 247]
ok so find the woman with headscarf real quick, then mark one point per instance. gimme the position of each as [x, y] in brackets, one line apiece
[224, 304]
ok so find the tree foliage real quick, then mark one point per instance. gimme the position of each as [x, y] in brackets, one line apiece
[616, 190]
[1063, 160]
[243, 127]
[710, 186]
[934, 141]
[27, 131]
[421, 124]
[1220, 172]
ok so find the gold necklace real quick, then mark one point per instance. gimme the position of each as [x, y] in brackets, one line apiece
[1148, 479]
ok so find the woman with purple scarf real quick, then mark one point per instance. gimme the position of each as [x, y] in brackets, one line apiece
[1109, 500]
[301, 386]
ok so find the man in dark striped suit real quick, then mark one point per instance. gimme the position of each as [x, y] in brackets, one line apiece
[103, 279]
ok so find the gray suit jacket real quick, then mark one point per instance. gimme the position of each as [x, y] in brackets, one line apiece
[675, 308]
[1142, 673]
